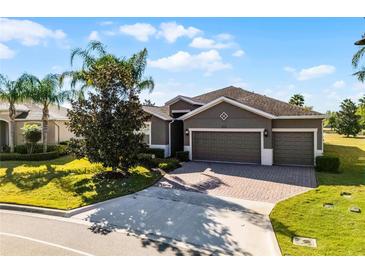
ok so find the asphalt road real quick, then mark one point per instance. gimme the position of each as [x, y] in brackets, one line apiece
[24, 234]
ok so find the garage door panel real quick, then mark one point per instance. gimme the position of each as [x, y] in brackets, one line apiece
[293, 148]
[227, 146]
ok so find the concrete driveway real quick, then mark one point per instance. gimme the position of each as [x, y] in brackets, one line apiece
[213, 225]
[252, 182]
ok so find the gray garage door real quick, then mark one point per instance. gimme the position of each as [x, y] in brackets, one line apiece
[293, 148]
[243, 147]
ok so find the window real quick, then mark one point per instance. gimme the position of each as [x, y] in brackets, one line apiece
[147, 133]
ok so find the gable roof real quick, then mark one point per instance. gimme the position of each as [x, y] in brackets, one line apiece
[160, 112]
[183, 98]
[257, 101]
[33, 112]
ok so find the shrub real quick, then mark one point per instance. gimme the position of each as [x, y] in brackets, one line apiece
[64, 143]
[4, 148]
[158, 152]
[29, 157]
[168, 164]
[61, 149]
[182, 156]
[327, 163]
[147, 160]
[38, 148]
[32, 134]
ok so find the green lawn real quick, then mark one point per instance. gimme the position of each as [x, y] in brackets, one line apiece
[338, 231]
[65, 183]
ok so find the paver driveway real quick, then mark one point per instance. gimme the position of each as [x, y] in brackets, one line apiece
[250, 182]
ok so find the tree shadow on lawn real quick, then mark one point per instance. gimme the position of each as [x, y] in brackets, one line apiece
[352, 166]
[104, 189]
[34, 179]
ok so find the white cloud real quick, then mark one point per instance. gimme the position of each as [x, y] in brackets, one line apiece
[315, 72]
[238, 53]
[289, 69]
[27, 32]
[171, 31]
[94, 35]
[224, 36]
[6, 52]
[208, 61]
[140, 31]
[339, 84]
[106, 23]
[204, 43]
[359, 86]
[312, 72]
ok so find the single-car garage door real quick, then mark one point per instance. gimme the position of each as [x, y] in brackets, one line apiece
[293, 148]
[243, 147]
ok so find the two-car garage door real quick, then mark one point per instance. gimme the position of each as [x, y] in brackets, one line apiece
[243, 147]
[289, 148]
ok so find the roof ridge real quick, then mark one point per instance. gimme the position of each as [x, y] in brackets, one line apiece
[288, 104]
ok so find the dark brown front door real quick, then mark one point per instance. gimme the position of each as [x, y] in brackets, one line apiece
[242, 147]
[293, 148]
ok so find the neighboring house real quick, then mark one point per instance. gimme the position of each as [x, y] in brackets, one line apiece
[32, 114]
[235, 125]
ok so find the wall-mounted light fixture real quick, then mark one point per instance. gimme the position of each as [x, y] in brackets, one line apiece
[187, 132]
[266, 133]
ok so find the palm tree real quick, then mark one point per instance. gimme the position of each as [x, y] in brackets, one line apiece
[94, 56]
[297, 100]
[46, 91]
[12, 92]
[360, 74]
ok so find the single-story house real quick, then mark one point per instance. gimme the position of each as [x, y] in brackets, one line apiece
[237, 126]
[32, 113]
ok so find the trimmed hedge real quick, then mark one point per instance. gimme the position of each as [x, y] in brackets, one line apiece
[168, 164]
[29, 157]
[182, 156]
[327, 163]
[38, 148]
[158, 152]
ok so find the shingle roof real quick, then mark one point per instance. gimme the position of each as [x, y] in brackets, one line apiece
[255, 100]
[31, 111]
[161, 112]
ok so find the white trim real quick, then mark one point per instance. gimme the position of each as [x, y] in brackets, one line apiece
[180, 110]
[301, 117]
[150, 132]
[266, 154]
[157, 115]
[181, 97]
[164, 147]
[9, 133]
[229, 101]
[315, 137]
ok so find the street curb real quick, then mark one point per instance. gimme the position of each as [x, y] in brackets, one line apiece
[34, 209]
[68, 213]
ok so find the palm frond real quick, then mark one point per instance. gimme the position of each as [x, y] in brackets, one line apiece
[360, 74]
[357, 57]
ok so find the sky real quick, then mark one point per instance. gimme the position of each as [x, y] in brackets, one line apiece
[277, 57]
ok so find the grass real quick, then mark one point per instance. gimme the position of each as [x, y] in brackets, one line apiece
[65, 183]
[337, 230]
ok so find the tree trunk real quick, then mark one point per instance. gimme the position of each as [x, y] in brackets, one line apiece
[45, 126]
[12, 114]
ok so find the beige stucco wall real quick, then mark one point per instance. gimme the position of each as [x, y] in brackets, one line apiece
[302, 123]
[237, 118]
[53, 133]
[64, 134]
